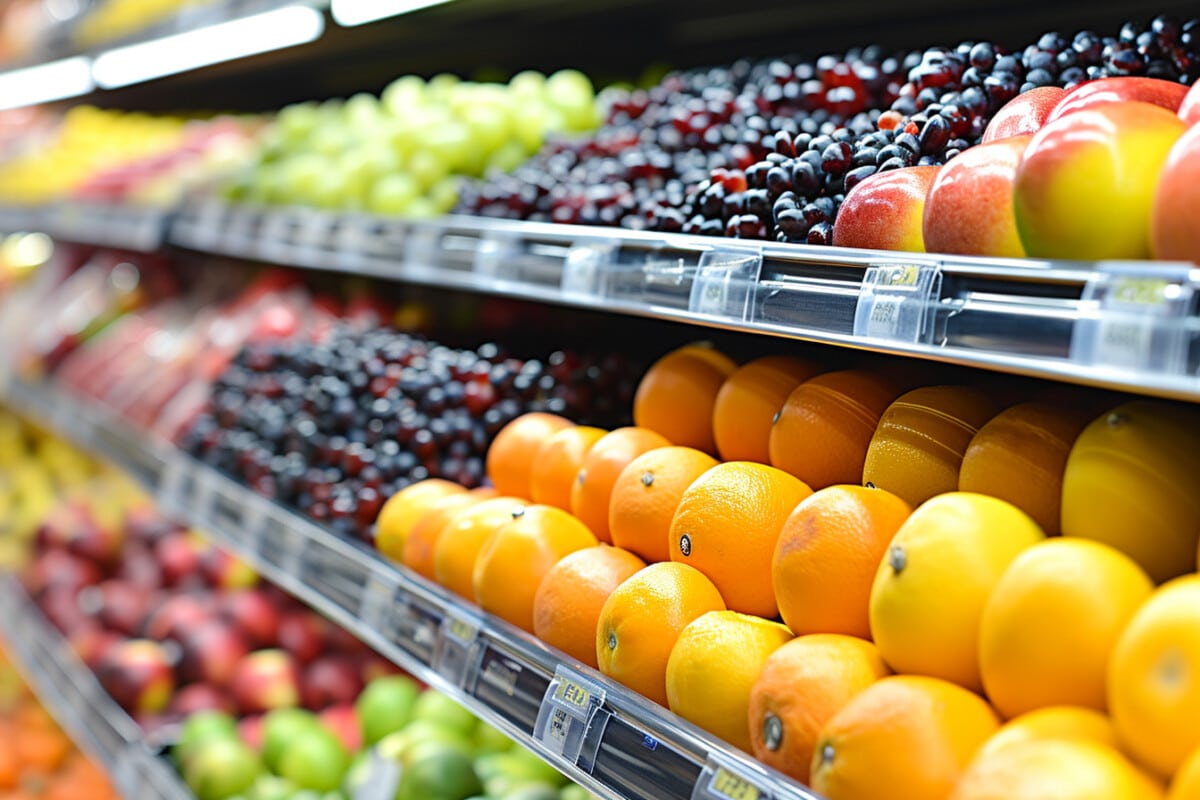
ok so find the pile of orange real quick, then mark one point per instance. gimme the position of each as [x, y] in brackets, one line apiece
[38, 760]
[865, 587]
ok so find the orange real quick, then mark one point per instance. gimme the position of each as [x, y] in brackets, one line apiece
[566, 607]
[1052, 621]
[727, 524]
[646, 494]
[643, 617]
[513, 560]
[594, 483]
[1130, 483]
[402, 510]
[1185, 785]
[748, 401]
[462, 538]
[1054, 722]
[1019, 456]
[930, 590]
[713, 667]
[918, 446]
[557, 463]
[511, 455]
[825, 425]
[1154, 678]
[424, 534]
[42, 750]
[801, 686]
[904, 737]
[676, 395]
[827, 556]
[10, 767]
[1055, 769]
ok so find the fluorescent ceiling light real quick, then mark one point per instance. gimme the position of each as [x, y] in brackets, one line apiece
[54, 80]
[225, 41]
[359, 12]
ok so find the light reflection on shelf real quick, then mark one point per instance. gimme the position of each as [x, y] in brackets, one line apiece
[44, 83]
[349, 13]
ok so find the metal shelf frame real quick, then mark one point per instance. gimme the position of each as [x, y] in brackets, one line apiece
[613, 741]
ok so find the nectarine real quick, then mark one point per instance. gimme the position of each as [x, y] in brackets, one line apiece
[885, 211]
[1175, 215]
[1156, 91]
[969, 208]
[1024, 114]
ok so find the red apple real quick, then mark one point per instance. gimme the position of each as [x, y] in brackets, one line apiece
[140, 567]
[250, 731]
[969, 209]
[1024, 114]
[55, 568]
[884, 211]
[179, 556]
[341, 640]
[223, 570]
[1189, 109]
[342, 722]
[211, 652]
[175, 616]
[200, 697]
[61, 607]
[95, 542]
[118, 605]
[264, 680]
[1175, 216]
[1156, 91]
[138, 674]
[302, 633]
[146, 525]
[253, 612]
[1086, 183]
[90, 642]
[329, 680]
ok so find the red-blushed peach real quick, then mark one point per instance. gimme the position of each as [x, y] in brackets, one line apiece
[1086, 182]
[885, 211]
[1156, 91]
[1189, 109]
[1024, 114]
[1175, 217]
[969, 208]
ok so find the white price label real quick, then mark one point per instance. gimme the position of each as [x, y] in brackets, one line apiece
[725, 284]
[456, 653]
[896, 302]
[568, 711]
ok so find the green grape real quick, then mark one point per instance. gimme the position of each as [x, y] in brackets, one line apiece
[443, 195]
[403, 94]
[529, 83]
[507, 157]
[393, 194]
[426, 168]
[489, 127]
[452, 145]
[295, 123]
[362, 112]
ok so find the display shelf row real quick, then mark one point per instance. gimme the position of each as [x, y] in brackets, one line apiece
[1121, 325]
[611, 740]
[74, 696]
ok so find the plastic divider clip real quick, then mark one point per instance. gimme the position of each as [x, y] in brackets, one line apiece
[457, 653]
[1133, 315]
[583, 267]
[721, 779]
[724, 284]
[569, 718]
[497, 255]
[896, 302]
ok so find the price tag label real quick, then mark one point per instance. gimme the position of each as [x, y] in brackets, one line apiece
[723, 780]
[375, 603]
[568, 710]
[413, 628]
[1134, 316]
[896, 302]
[456, 654]
[725, 284]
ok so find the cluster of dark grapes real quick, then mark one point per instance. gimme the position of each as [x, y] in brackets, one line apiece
[771, 156]
[335, 428]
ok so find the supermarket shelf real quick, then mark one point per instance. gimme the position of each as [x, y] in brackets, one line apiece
[75, 698]
[611, 740]
[1129, 326]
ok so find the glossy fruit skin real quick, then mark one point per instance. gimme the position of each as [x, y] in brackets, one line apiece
[1086, 183]
[675, 397]
[1024, 115]
[747, 402]
[1165, 94]
[591, 493]
[885, 211]
[1175, 216]
[1055, 722]
[647, 493]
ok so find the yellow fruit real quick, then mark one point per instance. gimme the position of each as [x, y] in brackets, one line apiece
[1154, 678]
[404, 509]
[1186, 783]
[918, 446]
[801, 686]
[1130, 482]
[713, 667]
[904, 737]
[931, 588]
[1051, 622]
[1055, 769]
[1055, 722]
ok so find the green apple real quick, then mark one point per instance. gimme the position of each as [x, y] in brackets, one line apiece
[314, 759]
[282, 726]
[490, 739]
[438, 771]
[573, 791]
[1086, 182]
[503, 771]
[386, 706]
[201, 727]
[270, 787]
[396, 746]
[436, 707]
[221, 768]
[403, 94]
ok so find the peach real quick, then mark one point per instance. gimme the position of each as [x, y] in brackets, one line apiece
[969, 208]
[1086, 183]
[138, 674]
[1024, 114]
[1189, 109]
[1155, 91]
[1175, 215]
[885, 211]
[264, 680]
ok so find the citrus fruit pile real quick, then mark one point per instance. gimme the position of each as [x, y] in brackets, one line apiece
[875, 588]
